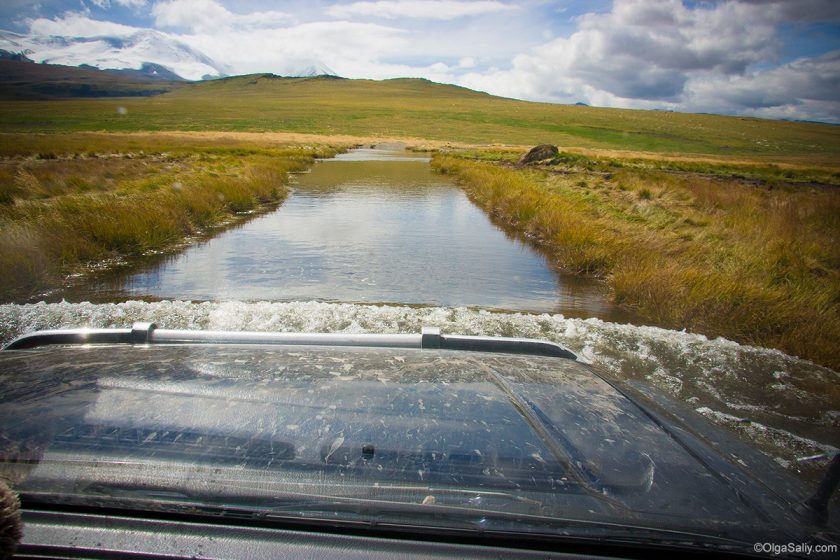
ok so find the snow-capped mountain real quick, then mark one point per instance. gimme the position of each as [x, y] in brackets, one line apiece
[307, 69]
[138, 50]
[131, 51]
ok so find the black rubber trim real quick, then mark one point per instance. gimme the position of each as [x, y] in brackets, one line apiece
[413, 538]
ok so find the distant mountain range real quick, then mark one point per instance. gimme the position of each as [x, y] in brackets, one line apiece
[21, 78]
[146, 52]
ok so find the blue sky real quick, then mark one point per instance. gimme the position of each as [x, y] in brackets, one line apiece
[770, 58]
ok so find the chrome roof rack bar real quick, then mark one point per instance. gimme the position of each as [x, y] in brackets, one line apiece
[430, 337]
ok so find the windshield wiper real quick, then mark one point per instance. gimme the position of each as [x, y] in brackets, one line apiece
[242, 492]
[424, 517]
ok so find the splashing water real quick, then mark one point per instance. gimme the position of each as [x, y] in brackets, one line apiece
[783, 405]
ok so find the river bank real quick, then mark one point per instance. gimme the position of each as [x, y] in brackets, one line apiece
[748, 252]
[94, 199]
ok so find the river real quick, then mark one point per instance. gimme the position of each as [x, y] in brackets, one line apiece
[374, 241]
[372, 225]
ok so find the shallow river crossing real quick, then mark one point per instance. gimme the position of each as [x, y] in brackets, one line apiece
[374, 241]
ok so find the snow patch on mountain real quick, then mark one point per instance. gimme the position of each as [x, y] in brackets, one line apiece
[307, 69]
[132, 50]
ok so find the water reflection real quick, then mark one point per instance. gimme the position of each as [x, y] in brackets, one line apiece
[373, 225]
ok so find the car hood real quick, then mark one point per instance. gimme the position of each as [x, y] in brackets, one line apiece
[474, 431]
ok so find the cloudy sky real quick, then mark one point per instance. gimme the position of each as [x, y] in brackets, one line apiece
[770, 58]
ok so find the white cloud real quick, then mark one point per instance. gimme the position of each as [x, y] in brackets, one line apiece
[75, 39]
[106, 4]
[666, 55]
[350, 49]
[75, 24]
[131, 3]
[430, 9]
[209, 16]
[805, 88]
[466, 62]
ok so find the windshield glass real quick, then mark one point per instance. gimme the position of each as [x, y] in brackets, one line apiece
[375, 433]
[651, 187]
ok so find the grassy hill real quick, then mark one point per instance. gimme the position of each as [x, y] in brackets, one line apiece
[419, 109]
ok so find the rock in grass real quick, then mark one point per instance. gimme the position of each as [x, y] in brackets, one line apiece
[540, 153]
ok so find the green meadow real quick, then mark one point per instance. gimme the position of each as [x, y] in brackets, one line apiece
[720, 225]
[418, 109]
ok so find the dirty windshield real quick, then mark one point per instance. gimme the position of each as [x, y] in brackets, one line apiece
[418, 435]
[654, 186]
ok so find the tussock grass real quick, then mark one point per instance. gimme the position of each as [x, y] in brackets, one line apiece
[723, 255]
[62, 214]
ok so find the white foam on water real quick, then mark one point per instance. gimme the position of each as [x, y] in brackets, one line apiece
[785, 447]
[789, 401]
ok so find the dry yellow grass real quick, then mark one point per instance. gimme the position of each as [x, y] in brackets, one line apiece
[755, 262]
[24, 145]
[99, 197]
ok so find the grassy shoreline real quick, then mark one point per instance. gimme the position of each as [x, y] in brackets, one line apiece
[89, 199]
[745, 252]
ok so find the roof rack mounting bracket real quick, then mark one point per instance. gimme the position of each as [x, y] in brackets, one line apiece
[430, 337]
[141, 333]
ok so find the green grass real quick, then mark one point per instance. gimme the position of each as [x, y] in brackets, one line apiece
[91, 201]
[756, 262]
[420, 109]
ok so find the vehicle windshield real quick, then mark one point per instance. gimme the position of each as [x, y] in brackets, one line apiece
[650, 189]
[480, 440]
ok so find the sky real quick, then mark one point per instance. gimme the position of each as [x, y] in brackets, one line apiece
[765, 58]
